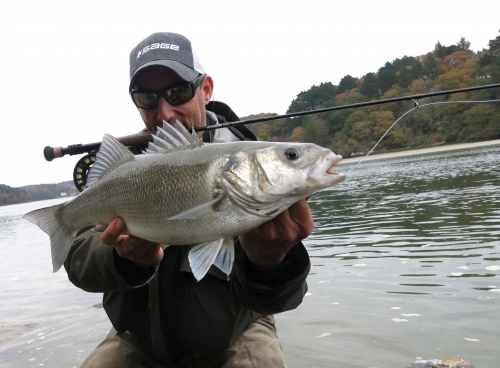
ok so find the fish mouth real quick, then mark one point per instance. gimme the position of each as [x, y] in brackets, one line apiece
[323, 174]
[331, 171]
[329, 162]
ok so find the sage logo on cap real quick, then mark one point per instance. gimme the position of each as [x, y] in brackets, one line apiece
[157, 46]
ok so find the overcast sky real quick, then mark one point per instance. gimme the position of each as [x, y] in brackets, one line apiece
[64, 64]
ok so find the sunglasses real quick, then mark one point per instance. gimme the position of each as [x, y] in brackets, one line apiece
[176, 95]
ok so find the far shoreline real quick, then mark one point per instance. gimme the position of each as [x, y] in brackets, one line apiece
[420, 151]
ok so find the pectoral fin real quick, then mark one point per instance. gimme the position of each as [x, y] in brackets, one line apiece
[205, 209]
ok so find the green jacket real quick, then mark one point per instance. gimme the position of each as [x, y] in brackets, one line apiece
[198, 319]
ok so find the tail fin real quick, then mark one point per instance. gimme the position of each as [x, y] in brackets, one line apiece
[61, 236]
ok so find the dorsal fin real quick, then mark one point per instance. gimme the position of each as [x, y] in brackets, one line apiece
[175, 137]
[111, 155]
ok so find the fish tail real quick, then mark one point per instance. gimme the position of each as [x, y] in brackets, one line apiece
[49, 219]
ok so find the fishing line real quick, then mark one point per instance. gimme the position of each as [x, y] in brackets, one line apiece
[406, 113]
[380, 140]
[416, 106]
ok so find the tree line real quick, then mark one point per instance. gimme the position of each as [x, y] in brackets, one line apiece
[10, 195]
[354, 131]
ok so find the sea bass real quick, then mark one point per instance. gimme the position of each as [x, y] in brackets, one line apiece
[185, 192]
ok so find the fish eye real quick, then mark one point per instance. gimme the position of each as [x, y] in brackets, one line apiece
[292, 153]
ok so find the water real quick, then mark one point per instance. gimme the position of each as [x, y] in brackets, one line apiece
[406, 264]
[415, 239]
[44, 319]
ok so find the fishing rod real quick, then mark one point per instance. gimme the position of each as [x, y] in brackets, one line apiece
[414, 98]
[142, 139]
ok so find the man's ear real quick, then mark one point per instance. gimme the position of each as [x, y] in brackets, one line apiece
[207, 87]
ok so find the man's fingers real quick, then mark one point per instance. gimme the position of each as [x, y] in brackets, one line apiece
[153, 254]
[300, 214]
[139, 250]
[111, 235]
[294, 224]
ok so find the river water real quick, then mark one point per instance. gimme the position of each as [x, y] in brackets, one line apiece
[406, 265]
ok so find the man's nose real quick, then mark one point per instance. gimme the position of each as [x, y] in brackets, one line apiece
[165, 111]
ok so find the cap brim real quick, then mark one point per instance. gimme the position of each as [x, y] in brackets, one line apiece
[184, 72]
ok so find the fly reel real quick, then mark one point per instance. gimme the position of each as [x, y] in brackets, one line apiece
[81, 171]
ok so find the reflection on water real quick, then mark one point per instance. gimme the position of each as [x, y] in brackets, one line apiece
[405, 255]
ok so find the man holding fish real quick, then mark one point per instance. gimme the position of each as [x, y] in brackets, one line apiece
[221, 320]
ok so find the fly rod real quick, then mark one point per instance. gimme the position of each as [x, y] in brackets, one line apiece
[414, 98]
[144, 137]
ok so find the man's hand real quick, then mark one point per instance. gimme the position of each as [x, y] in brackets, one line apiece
[268, 245]
[140, 251]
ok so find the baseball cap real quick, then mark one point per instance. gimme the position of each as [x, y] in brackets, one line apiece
[167, 49]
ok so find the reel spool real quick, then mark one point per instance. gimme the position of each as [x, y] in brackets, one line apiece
[81, 171]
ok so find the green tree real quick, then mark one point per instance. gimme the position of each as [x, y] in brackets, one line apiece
[409, 70]
[430, 67]
[442, 51]
[369, 87]
[317, 130]
[313, 98]
[480, 122]
[490, 60]
[463, 44]
[354, 117]
[386, 77]
[336, 120]
[346, 83]
[401, 71]
[494, 46]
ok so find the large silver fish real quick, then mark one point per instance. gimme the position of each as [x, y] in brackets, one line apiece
[185, 192]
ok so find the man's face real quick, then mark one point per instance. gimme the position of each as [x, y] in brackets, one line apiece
[191, 113]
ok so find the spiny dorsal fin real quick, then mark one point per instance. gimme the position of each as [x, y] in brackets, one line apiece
[111, 155]
[175, 137]
[161, 144]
